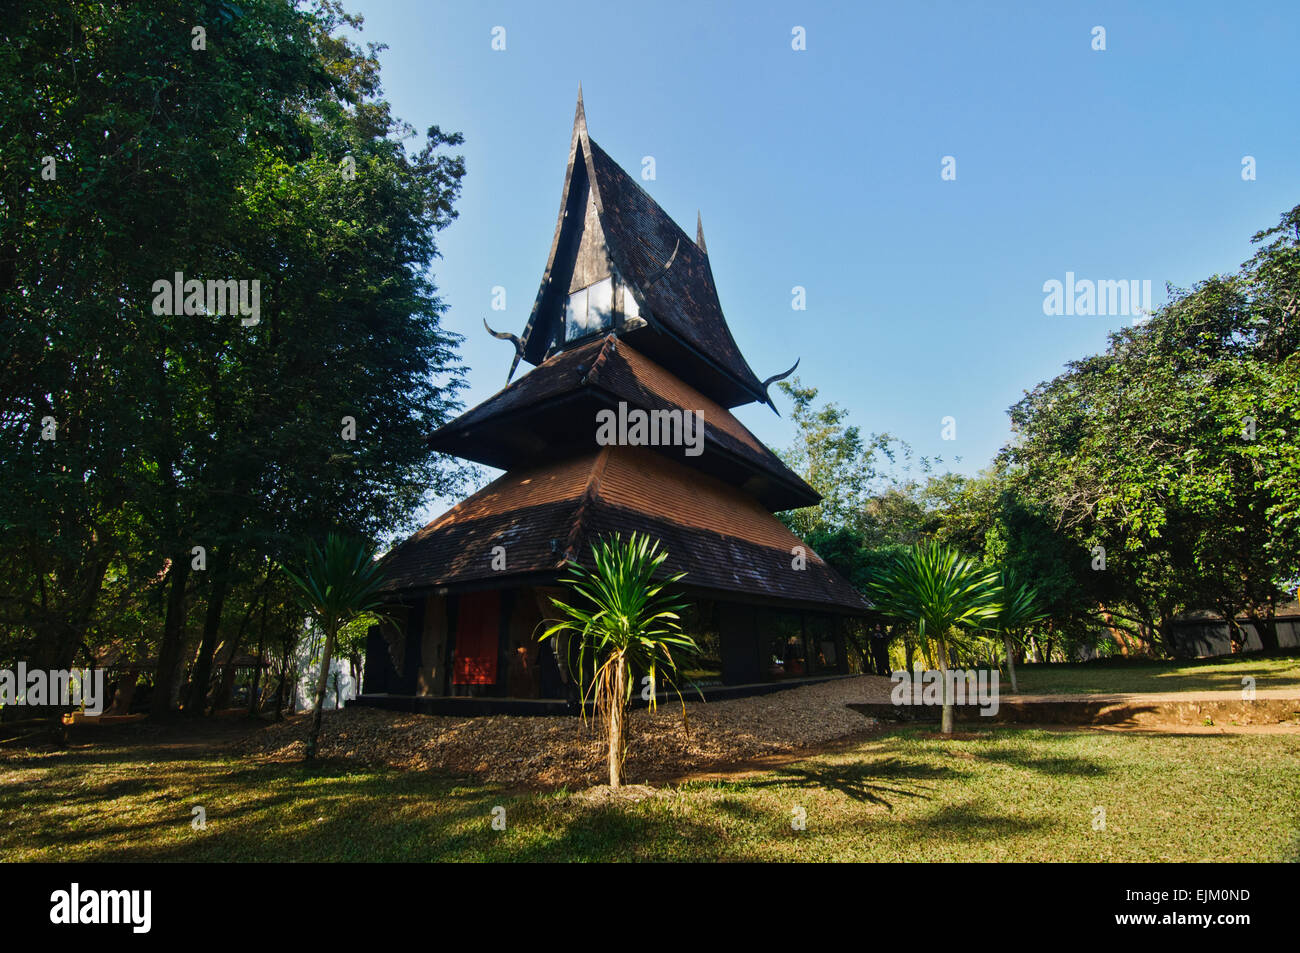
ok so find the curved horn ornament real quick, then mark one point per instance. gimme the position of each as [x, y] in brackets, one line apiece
[513, 339]
[505, 336]
[668, 264]
[773, 379]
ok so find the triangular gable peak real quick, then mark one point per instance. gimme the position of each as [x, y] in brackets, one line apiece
[579, 261]
[619, 263]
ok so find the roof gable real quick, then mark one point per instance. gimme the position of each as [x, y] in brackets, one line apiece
[609, 225]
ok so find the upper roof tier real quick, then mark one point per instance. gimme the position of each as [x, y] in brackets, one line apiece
[619, 263]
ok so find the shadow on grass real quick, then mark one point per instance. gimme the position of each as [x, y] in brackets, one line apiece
[260, 812]
[1054, 766]
[967, 821]
[872, 782]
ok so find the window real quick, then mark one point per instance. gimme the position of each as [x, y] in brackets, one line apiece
[782, 644]
[628, 306]
[589, 310]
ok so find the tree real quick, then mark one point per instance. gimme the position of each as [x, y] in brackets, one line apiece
[940, 590]
[1018, 607]
[337, 583]
[628, 621]
[1199, 509]
[133, 437]
[837, 461]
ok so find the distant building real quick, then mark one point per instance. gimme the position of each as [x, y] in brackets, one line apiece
[1202, 634]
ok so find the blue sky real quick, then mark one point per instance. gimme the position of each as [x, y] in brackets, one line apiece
[821, 168]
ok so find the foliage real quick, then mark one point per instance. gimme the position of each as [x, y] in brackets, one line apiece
[197, 430]
[943, 592]
[838, 461]
[627, 622]
[338, 583]
[1168, 452]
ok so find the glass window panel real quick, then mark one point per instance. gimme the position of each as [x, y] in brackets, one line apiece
[630, 309]
[600, 305]
[575, 315]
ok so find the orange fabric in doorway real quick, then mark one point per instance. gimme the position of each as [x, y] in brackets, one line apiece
[477, 639]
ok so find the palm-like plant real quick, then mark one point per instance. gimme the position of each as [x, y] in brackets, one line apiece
[938, 589]
[1018, 607]
[337, 583]
[629, 620]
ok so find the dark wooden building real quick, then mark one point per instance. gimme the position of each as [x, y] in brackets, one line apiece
[626, 323]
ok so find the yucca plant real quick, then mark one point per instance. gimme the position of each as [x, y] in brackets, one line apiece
[939, 590]
[337, 583]
[627, 620]
[1018, 608]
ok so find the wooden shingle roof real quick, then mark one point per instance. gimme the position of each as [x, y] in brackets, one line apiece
[499, 431]
[668, 270]
[721, 537]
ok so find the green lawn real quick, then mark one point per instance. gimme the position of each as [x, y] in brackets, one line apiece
[1131, 675]
[1005, 794]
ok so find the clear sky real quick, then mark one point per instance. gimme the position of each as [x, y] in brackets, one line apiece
[822, 168]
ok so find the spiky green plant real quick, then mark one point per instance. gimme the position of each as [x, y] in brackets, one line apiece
[337, 583]
[627, 620]
[1018, 608]
[940, 591]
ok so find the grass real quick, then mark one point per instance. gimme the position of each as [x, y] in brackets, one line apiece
[997, 794]
[1138, 675]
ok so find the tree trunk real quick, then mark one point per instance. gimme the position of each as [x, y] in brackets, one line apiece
[616, 710]
[1266, 629]
[199, 686]
[1011, 663]
[126, 686]
[279, 687]
[322, 682]
[946, 724]
[255, 691]
[169, 651]
[909, 650]
[226, 687]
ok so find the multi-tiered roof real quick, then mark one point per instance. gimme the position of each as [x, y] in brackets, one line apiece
[627, 313]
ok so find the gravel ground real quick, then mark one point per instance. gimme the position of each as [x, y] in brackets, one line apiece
[555, 751]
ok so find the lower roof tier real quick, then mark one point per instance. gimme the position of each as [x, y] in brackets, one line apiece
[530, 521]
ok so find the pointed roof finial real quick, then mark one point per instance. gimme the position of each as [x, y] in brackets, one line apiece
[580, 118]
[699, 232]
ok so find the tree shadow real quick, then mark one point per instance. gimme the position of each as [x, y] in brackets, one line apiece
[1059, 766]
[968, 820]
[871, 782]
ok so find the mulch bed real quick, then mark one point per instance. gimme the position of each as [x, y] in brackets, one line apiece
[559, 751]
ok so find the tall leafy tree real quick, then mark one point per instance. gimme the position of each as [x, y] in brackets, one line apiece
[262, 151]
[1167, 451]
[837, 460]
